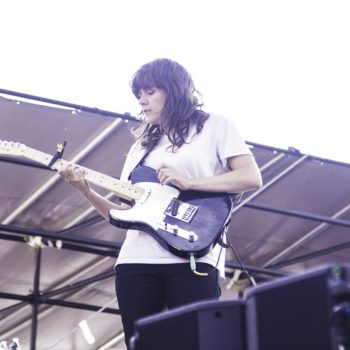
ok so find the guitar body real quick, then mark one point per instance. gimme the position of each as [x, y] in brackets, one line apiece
[183, 222]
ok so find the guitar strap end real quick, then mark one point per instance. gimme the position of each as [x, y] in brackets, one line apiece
[58, 155]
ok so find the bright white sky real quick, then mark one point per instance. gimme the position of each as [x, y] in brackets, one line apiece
[279, 68]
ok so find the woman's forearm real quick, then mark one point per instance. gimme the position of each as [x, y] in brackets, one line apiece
[101, 204]
[239, 180]
[74, 175]
[244, 176]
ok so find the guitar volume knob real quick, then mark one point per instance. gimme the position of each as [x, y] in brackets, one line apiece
[191, 236]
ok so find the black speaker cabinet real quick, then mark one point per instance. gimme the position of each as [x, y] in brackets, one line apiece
[303, 312]
[206, 325]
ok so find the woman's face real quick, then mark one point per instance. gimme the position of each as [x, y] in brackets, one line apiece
[152, 101]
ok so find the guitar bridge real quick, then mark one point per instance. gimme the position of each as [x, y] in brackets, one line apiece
[177, 231]
[181, 210]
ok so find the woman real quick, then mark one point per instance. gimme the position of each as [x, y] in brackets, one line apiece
[189, 149]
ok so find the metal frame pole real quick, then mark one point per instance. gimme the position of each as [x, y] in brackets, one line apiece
[125, 116]
[35, 297]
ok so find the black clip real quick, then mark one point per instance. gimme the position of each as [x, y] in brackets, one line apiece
[58, 154]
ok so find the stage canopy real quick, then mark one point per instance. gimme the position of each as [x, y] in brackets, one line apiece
[57, 254]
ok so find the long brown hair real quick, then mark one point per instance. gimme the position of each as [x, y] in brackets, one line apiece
[182, 107]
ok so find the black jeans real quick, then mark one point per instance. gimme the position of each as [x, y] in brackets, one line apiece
[146, 289]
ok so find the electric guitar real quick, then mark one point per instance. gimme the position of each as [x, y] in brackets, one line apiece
[183, 222]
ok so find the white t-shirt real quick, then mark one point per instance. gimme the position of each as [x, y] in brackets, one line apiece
[204, 155]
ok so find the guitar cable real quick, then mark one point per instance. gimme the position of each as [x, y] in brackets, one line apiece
[193, 267]
[193, 262]
[251, 279]
[223, 245]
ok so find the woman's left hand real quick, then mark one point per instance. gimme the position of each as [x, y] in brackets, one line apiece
[167, 174]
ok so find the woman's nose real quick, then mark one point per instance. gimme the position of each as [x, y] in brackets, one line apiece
[142, 99]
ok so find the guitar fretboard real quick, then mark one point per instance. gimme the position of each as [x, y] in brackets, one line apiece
[122, 189]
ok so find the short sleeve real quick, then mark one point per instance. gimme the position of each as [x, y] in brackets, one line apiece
[133, 158]
[229, 142]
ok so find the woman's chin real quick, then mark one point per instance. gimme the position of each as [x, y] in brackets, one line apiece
[152, 120]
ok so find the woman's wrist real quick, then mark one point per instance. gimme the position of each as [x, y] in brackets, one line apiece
[84, 190]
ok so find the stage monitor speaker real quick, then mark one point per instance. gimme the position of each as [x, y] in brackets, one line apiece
[309, 311]
[205, 325]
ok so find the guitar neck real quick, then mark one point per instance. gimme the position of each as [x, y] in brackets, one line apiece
[122, 189]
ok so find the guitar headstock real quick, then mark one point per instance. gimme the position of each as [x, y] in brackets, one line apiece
[10, 148]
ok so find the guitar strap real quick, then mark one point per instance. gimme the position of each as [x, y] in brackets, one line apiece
[140, 162]
[221, 240]
[236, 199]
